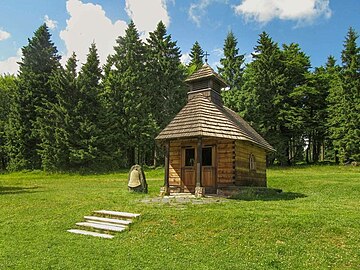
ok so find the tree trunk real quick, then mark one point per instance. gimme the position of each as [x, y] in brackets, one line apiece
[155, 156]
[131, 156]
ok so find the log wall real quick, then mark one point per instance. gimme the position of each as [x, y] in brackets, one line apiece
[225, 163]
[243, 175]
[175, 163]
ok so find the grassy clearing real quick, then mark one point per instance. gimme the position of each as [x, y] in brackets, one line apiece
[315, 224]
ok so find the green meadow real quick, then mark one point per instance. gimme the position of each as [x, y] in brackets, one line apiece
[313, 224]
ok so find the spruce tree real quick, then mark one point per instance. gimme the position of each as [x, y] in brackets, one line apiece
[344, 102]
[39, 61]
[264, 88]
[165, 85]
[296, 97]
[84, 140]
[196, 58]
[57, 131]
[232, 69]
[7, 91]
[129, 124]
[332, 71]
[165, 77]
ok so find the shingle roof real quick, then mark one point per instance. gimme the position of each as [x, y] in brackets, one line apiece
[201, 117]
[205, 72]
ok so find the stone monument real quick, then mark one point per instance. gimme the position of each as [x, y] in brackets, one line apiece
[137, 180]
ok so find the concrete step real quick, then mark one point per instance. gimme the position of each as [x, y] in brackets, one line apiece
[102, 226]
[102, 235]
[117, 214]
[107, 220]
[107, 224]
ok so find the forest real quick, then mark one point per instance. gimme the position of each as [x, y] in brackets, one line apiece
[94, 118]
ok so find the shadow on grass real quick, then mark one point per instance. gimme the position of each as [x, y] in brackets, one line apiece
[17, 190]
[266, 195]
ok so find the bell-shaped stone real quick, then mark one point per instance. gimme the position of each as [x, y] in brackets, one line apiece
[134, 179]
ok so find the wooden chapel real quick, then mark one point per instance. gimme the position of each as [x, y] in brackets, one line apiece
[208, 146]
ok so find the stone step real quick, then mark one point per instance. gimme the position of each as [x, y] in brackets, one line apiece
[107, 220]
[117, 214]
[102, 226]
[102, 235]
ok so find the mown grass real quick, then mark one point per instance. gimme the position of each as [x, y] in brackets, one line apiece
[314, 224]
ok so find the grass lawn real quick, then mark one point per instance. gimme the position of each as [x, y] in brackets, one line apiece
[314, 224]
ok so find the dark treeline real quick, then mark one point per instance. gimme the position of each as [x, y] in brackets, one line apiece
[102, 118]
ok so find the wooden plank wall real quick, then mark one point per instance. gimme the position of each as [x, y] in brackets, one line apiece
[175, 163]
[243, 175]
[226, 162]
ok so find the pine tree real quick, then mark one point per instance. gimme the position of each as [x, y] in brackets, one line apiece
[7, 91]
[165, 76]
[295, 108]
[264, 87]
[332, 71]
[84, 141]
[39, 61]
[129, 124]
[344, 102]
[196, 58]
[166, 86]
[232, 69]
[57, 129]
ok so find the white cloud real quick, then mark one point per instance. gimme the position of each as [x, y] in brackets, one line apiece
[4, 35]
[88, 23]
[264, 11]
[147, 14]
[10, 65]
[50, 23]
[197, 11]
[185, 58]
[218, 52]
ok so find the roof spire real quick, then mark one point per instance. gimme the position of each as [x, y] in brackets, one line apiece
[206, 57]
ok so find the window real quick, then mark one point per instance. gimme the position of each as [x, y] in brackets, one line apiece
[189, 157]
[207, 156]
[252, 163]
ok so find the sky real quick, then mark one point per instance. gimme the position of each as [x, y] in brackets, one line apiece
[318, 26]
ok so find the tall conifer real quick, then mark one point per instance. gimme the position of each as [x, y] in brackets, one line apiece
[84, 142]
[57, 129]
[40, 59]
[129, 124]
[232, 69]
[344, 102]
[196, 58]
[7, 91]
[165, 85]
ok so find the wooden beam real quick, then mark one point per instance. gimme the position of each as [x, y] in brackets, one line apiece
[199, 163]
[167, 158]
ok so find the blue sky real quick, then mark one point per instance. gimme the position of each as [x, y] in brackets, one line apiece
[319, 26]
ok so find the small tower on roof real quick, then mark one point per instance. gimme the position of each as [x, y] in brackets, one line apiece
[206, 82]
[208, 146]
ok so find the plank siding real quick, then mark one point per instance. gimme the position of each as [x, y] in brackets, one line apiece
[226, 162]
[175, 163]
[243, 175]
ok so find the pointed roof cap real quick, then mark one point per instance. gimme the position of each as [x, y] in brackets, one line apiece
[205, 72]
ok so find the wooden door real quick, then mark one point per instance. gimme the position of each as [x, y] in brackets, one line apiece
[188, 171]
[209, 168]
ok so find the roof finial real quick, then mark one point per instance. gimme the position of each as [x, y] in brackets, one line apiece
[206, 57]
